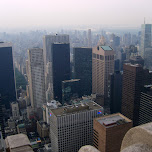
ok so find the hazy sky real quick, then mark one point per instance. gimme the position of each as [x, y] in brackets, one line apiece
[26, 13]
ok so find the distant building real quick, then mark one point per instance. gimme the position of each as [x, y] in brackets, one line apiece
[109, 131]
[115, 91]
[137, 60]
[146, 33]
[36, 77]
[82, 60]
[18, 143]
[89, 38]
[148, 58]
[60, 68]
[134, 78]
[102, 66]
[71, 127]
[7, 80]
[70, 89]
[145, 109]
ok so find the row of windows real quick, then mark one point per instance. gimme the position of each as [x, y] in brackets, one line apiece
[101, 57]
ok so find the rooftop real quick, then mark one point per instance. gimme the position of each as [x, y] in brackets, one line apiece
[5, 44]
[106, 48]
[17, 140]
[75, 108]
[113, 120]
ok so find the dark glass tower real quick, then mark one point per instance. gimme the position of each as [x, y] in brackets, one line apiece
[82, 60]
[7, 81]
[60, 67]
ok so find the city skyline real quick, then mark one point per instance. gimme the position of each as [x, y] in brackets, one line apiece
[38, 13]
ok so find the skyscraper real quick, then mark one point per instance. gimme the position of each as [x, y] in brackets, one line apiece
[36, 77]
[109, 131]
[102, 66]
[146, 33]
[134, 78]
[115, 83]
[60, 68]
[82, 59]
[89, 38]
[71, 127]
[48, 40]
[7, 81]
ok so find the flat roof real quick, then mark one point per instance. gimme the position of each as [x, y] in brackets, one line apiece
[106, 48]
[17, 140]
[65, 110]
[113, 120]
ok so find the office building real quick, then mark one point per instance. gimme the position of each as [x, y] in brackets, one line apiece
[7, 81]
[60, 68]
[137, 59]
[102, 66]
[82, 60]
[145, 109]
[146, 33]
[134, 78]
[36, 77]
[115, 91]
[71, 127]
[109, 131]
[148, 58]
[15, 111]
[48, 40]
[70, 89]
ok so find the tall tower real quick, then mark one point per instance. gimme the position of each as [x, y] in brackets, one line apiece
[146, 33]
[36, 77]
[60, 68]
[102, 66]
[48, 40]
[89, 38]
[82, 60]
[134, 78]
[7, 81]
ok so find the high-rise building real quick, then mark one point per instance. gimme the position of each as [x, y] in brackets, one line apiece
[7, 81]
[89, 38]
[71, 127]
[102, 66]
[146, 32]
[82, 59]
[109, 131]
[145, 109]
[134, 78]
[60, 68]
[137, 59]
[148, 58]
[36, 77]
[15, 111]
[70, 89]
[48, 40]
[115, 90]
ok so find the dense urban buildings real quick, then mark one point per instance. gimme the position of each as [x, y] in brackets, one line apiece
[145, 105]
[109, 131]
[7, 81]
[89, 38]
[71, 127]
[115, 91]
[134, 78]
[102, 66]
[36, 77]
[60, 68]
[82, 60]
